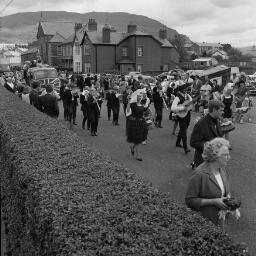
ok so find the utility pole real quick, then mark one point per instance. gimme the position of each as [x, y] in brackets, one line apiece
[3, 11]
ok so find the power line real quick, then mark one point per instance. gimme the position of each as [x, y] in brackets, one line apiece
[6, 6]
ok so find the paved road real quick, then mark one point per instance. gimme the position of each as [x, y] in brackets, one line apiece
[168, 168]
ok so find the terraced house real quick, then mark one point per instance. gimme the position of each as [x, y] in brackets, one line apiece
[126, 51]
[94, 48]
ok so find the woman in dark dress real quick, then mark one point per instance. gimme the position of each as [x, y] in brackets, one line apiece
[228, 101]
[136, 128]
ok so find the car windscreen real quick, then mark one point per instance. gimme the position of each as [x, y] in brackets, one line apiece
[46, 73]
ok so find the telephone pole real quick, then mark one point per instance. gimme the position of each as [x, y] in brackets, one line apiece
[3, 11]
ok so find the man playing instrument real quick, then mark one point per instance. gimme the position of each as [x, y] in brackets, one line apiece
[182, 105]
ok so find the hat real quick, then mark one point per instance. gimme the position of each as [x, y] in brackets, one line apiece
[229, 86]
[48, 88]
[181, 88]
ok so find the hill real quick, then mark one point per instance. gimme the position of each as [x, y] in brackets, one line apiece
[248, 50]
[22, 27]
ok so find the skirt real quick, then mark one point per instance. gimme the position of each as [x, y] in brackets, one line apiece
[136, 130]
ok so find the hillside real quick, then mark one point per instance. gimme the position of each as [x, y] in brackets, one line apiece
[249, 50]
[21, 27]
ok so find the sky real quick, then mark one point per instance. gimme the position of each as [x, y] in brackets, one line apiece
[213, 21]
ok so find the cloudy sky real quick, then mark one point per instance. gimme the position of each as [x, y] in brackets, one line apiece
[225, 21]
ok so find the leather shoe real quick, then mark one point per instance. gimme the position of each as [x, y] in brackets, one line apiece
[139, 159]
[179, 145]
[187, 151]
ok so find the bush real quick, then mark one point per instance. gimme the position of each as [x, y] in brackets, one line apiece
[61, 198]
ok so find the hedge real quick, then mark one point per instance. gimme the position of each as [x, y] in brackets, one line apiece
[59, 197]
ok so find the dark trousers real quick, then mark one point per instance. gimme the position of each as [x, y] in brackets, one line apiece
[94, 121]
[85, 118]
[115, 110]
[109, 112]
[198, 159]
[74, 113]
[159, 116]
[125, 107]
[182, 135]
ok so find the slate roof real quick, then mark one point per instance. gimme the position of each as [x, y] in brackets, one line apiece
[57, 38]
[69, 40]
[213, 70]
[63, 28]
[96, 37]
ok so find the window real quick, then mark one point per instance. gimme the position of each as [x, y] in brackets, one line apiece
[124, 52]
[77, 49]
[87, 68]
[59, 51]
[87, 49]
[140, 51]
[77, 67]
[139, 68]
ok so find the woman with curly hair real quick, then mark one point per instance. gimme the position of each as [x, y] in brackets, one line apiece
[209, 187]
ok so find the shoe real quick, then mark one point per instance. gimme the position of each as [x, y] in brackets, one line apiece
[187, 151]
[160, 126]
[117, 124]
[132, 150]
[139, 159]
[74, 123]
[92, 134]
[178, 145]
[95, 134]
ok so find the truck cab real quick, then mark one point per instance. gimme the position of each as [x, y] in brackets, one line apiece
[45, 75]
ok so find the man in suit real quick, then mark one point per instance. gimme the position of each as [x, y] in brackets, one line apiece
[49, 103]
[88, 81]
[34, 95]
[206, 129]
[158, 104]
[9, 85]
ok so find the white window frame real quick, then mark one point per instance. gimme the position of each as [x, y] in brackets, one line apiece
[124, 52]
[139, 51]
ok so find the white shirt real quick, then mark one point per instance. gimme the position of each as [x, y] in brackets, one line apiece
[220, 183]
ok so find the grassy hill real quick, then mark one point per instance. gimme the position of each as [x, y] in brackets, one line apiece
[22, 27]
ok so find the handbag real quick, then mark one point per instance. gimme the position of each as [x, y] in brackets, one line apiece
[227, 127]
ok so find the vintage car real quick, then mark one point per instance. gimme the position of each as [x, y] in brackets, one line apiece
[45, 75]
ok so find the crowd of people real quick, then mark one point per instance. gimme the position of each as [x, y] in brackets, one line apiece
[217, 107]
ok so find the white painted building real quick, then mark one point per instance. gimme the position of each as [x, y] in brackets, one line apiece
[10, 58]
[77, 56]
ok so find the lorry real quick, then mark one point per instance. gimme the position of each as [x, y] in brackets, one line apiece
[45, 75]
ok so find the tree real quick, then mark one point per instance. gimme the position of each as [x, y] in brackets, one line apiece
[179, 43]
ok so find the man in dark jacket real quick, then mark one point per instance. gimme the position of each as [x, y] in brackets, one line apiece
[87, 81]
[206, 129]
[49, 103]
[34, 95]
[158, 104]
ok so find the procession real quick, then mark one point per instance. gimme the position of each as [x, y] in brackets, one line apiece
[120, 135]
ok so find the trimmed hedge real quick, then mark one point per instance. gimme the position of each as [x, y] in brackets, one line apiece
[61, 198]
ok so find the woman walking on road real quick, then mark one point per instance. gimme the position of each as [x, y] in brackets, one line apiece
[136, 128]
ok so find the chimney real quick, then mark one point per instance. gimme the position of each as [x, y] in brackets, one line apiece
[78, 26]
[92, 25]
[106, 34]
[131, 28]
[163, 33]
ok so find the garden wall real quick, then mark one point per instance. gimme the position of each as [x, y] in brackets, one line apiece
[61, 198]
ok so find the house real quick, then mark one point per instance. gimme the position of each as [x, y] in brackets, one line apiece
[31, 54]
[206, 48]
[220, 53]
[192, 48]
[126, 51]
[12, 58]
[58, 32]
[204, 63]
